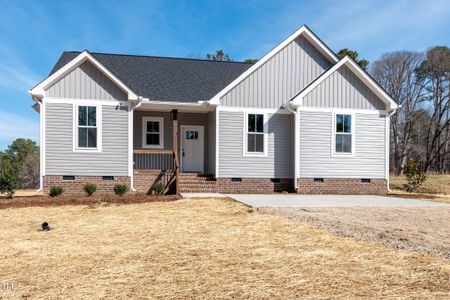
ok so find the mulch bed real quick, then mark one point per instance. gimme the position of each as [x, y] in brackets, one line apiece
[82, 200]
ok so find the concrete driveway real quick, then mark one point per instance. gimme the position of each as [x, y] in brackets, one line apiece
[282, 200]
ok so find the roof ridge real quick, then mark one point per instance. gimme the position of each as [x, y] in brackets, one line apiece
[162, 57]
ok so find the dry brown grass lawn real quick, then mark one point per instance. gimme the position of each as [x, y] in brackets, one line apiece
[199, 249]
[436, 188]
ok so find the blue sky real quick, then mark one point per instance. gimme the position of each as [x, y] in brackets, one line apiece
[33, 34]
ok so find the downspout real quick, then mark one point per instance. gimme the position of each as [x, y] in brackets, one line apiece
[41, 144]
[296, 144]
[388, 146]
[131, 143]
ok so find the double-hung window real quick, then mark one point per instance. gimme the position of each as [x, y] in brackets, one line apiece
[343, 134]
[255, 134]
[87, 130]
[153, 133]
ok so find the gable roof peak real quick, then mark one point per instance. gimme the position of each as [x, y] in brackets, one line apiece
[302, 31]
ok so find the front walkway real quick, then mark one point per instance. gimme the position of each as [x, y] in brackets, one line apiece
[292, 200]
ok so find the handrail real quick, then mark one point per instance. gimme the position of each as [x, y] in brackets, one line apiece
[139, 151]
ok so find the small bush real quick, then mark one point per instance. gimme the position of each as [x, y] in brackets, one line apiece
[55, 191]
[90, 188]
[414, 175]
[8, 185]
[158, 187]
[120, 189]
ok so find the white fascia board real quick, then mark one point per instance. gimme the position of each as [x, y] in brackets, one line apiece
[39, 90]
[308, 34]
[359, 72]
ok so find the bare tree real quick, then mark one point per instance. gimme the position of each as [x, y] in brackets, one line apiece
[28, 171]
[435, 69]
[396, 72]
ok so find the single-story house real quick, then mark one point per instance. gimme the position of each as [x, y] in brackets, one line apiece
[300, 119]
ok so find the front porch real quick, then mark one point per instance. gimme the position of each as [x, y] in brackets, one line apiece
[169, 142]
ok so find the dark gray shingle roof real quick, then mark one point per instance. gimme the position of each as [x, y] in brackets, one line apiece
[165, 78]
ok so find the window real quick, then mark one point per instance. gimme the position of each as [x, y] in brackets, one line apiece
[68, 177]
[107, 177]
[87, 127]
[191, 135]
[153, 132]
[343, 134]
[255, 134]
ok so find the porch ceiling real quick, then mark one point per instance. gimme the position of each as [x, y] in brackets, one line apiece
[180, 106]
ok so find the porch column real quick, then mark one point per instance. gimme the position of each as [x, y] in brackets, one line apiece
[174, 113]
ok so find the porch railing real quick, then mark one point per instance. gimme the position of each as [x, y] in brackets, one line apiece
[165, 161]
[153, 159]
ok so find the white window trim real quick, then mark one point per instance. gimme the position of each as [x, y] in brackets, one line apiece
[99, 121]
[333, 135]
[161, 132]
[245, 132]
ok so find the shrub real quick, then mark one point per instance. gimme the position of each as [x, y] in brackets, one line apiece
[120, 189]
[8, 185]
[158, 187]
[414, 175]
[90, 188]
[55, 191]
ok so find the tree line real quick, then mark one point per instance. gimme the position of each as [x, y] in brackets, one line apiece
[420, 83]
[19, 164]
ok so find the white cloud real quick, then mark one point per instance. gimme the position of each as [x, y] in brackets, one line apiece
[13, 126]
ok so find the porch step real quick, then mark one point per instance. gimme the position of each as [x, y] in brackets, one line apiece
[193, 182]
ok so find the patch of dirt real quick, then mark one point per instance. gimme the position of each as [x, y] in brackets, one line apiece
[93, 201]
[424, 229]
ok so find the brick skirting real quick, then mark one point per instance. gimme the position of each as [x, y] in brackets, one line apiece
[342, 186]
[75, 187]
[144, 179]
[254, 185]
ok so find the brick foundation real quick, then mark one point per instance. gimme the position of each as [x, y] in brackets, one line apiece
[347, 186]
[75, 187]
[254, 185]
[144, 179]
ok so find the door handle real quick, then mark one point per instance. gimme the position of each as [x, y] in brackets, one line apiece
[182, 152]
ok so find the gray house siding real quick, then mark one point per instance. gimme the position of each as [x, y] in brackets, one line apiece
[316, 142]
[183, 119]
[86, 82]
[59, 156]
[277, 164]
[211, 165]
[280, 78]
[343, 89]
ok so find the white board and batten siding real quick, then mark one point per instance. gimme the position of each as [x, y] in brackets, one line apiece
[60, 159]
[279, 160]
[280, 78]
[85, 82]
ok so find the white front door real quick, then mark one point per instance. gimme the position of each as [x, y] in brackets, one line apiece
[192, 141]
